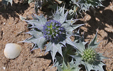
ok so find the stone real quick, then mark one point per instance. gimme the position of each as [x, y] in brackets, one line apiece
[12, 50]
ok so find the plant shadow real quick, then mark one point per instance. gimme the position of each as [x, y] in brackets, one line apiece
[101, 19]
[14, 10]
[48, 56]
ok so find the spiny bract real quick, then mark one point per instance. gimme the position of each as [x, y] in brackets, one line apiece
[57, 31]
[70, 66]
[88, 56]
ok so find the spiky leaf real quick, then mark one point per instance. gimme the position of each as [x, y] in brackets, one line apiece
[54, 48]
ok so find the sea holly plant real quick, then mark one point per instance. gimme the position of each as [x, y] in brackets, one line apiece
[88, 57]
[63, 63]
[84, 5]
[75, 6]
[69, 66]
[68, 49]
[6, 2]
[53, 33]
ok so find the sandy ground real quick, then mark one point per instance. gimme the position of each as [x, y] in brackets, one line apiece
[12, 31]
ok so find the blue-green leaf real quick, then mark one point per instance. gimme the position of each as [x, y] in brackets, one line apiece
[70, 28]
[54, 48]
[60, 15]
[35, 33]
[6, 2]
[93, 43]
[77, 58]
[37, 39]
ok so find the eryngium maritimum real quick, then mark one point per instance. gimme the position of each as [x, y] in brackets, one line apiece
[88, 57]
[57, 31]
[84, 5]
[67, 66]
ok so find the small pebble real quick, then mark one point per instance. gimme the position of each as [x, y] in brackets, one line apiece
[12, 50]
[4, 68]
[4, 23]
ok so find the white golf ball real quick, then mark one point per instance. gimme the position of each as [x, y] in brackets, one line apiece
[12, 50]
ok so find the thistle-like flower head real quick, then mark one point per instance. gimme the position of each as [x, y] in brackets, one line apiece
[88, 56]
[53, 31]
[57, 31]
